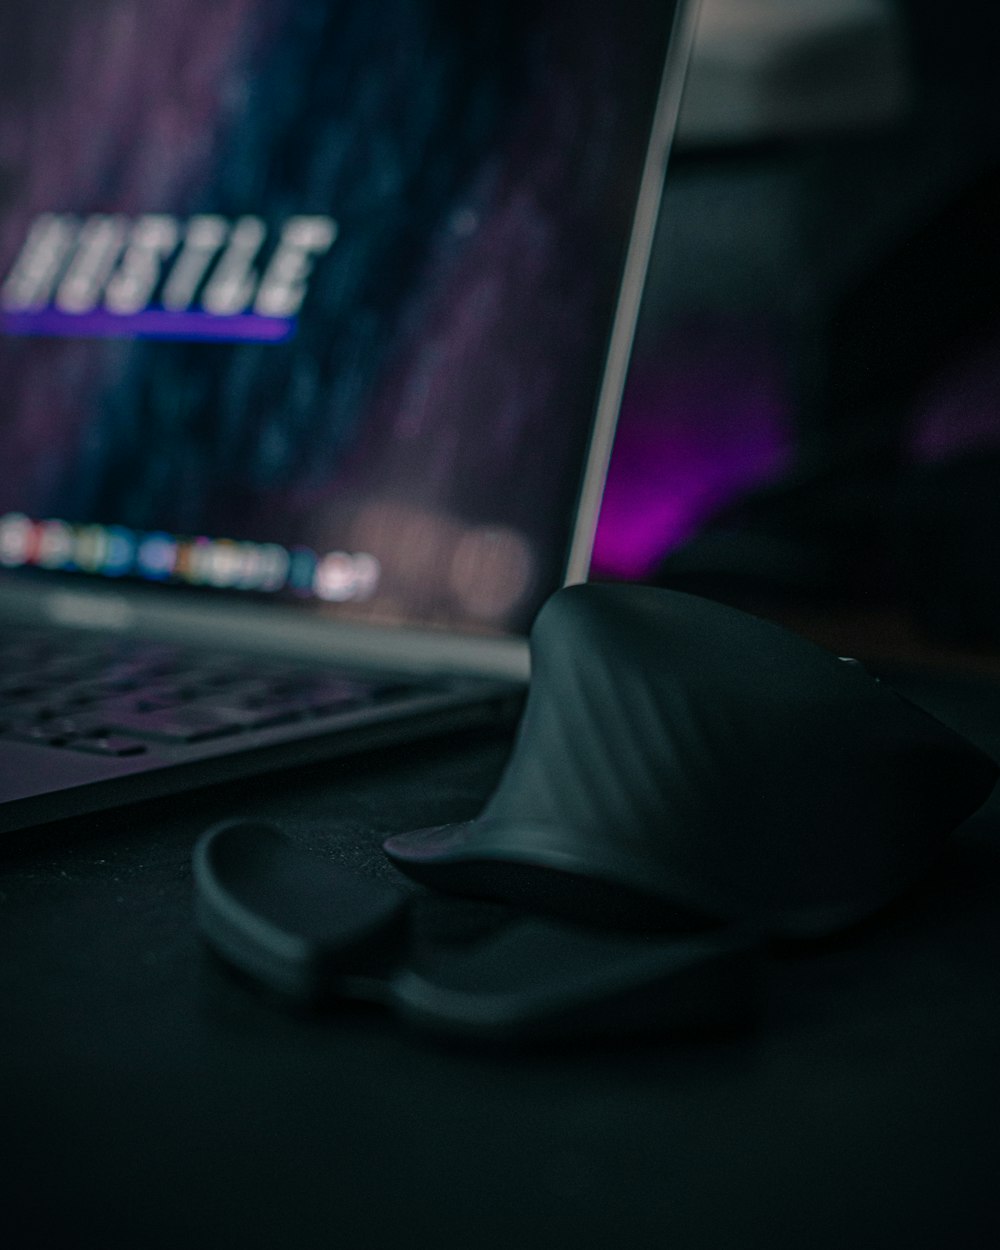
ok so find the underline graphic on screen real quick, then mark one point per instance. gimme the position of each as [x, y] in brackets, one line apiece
[152, 323]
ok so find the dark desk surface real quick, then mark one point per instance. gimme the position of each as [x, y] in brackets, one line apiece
[149, 1100]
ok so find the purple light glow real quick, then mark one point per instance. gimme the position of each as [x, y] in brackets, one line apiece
[693, 436]
[154, 323]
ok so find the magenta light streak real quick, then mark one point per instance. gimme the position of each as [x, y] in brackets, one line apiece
[693, 436]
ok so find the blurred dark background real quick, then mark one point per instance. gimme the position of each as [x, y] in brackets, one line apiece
[812, 426]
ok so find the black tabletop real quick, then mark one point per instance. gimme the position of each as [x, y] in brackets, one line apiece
[150, 1099]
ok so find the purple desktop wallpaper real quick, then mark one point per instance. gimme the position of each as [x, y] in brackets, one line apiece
[251, 287]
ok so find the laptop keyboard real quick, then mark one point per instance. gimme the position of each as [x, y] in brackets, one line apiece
[122, 697]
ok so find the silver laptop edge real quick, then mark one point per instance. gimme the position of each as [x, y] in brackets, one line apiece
[630, 295]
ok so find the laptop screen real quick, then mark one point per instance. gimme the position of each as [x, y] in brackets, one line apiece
[310, 298]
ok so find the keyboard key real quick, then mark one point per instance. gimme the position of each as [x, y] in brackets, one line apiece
[73, 726]
[107, 746]
[260, 715]
[174, 725]
[40, 735]
[18, 690]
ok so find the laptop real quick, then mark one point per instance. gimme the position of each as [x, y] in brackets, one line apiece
[314, 321]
